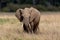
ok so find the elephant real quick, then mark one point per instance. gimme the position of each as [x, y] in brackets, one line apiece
[30, 18]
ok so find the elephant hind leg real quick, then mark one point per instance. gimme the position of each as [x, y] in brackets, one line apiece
[36, 28]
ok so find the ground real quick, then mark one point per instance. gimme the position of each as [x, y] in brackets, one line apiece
[11, 28]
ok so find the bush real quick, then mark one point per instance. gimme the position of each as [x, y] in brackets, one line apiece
[13, 7]
[5, 9]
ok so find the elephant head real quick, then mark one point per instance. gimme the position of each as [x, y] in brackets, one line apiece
[19, 14]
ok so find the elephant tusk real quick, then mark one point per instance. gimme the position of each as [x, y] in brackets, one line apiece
[29, 26]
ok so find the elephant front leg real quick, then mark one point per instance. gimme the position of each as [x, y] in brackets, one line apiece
[30, 29]
[32, 26]
[27, 28]
[24, 28]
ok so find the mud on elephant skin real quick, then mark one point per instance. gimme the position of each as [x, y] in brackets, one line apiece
[30, 18]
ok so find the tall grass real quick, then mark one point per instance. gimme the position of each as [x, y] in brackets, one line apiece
[12, 29]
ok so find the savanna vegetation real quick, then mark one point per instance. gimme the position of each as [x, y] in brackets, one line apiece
[42, 5]
[12, 29]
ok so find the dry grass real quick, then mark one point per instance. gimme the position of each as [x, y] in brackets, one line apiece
[11, 28]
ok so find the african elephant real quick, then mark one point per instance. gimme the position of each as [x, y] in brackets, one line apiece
[30, 18]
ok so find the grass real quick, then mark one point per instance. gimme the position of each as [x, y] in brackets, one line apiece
[11, 28]
[3, 21]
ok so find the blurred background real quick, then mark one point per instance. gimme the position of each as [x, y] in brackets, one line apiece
[42, 5]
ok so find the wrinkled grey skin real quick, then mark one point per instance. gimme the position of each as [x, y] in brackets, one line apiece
[30, 18]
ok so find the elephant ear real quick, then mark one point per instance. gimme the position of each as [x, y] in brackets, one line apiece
[19, 14]
[34, 13]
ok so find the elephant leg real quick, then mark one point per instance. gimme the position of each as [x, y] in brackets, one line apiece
[30, 28]
[32, 25]
[35, 29]
[26, 28]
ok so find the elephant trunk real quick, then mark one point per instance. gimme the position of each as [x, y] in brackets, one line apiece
[27, 24]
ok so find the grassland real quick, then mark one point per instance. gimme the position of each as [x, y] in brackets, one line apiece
[11, 28]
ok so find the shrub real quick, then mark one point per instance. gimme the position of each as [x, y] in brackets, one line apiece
[13, 7]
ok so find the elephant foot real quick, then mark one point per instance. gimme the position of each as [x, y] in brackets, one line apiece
[36, 31]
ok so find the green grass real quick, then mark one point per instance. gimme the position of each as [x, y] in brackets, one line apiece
[3, 21]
